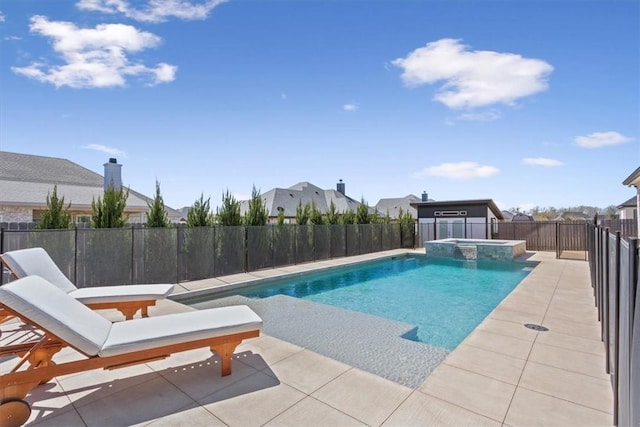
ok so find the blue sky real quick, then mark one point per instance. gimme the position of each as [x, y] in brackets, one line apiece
[528, 103]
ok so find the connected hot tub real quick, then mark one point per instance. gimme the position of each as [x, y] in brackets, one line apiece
[503, 250]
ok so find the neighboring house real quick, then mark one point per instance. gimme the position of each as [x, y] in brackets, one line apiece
[26, 180]
[521, 217]
[628, 209]
[393, 205]
[288, 200]
[572, 216]
[507, 215]
[634, 180]
[457, 219]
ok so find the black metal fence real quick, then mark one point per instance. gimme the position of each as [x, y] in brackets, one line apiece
[614, 264]
[98, 257]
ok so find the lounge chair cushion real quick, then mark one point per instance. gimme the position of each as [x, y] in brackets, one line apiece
[122, 293]
[73, 322]
[55, 311]
[152, 332]
[37, 262]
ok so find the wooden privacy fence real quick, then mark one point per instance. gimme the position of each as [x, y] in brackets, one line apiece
[539, 235]
[626, 227]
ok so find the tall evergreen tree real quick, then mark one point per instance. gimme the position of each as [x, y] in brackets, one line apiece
[280, 220]
[109, 211]
[332, 217]
[362, 213]
[375, 218]
[348, 217]
[386, 219]
[303, 213]
[407, 226]
[315, 216]
[200, 213]
[229, 213]
[157, 215]
[257, 213]
[56, 215]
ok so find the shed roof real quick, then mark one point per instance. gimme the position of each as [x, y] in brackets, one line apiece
[489, 202]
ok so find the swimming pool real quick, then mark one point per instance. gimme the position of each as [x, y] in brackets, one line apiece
[445, 298]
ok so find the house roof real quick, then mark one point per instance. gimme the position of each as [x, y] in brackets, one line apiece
[288, 199]
[26, 180]
[489, 202]
[393, 206]
[631, 203]
[633, 179]
[507, 215]
[518, 217]
[568, 215]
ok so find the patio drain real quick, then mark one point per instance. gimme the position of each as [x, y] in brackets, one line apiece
[536, 327]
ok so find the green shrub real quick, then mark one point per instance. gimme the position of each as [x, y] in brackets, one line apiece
[56, 215]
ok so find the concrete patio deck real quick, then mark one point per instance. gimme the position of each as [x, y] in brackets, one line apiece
[502, 374]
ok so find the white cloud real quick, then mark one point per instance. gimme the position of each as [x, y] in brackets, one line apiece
[601, 139]
[153, 10]
[480, 116]
[473, 78]
[541, 161]
[2, 17]
[95, 57]
[104, 149]
[460, 170]
[350, 107]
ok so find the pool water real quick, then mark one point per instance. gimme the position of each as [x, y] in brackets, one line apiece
[445, 298]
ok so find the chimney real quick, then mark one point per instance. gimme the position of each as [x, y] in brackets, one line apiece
[425, 196]
[340, 188]
[112, 174]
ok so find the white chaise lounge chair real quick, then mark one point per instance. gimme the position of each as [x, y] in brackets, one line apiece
[128, 299]
[68, 323]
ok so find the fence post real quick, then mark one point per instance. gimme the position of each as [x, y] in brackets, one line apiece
[616, 353]
[603, 311]
[245, 248]
[178, 260]
[625, 344]
[313, 249]
[634, 377]
[75, 255]
[133, 247]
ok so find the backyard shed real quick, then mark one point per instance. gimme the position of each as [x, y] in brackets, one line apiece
[471, 219]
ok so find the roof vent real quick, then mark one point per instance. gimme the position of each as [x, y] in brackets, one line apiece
[340, 187]
[425, 196]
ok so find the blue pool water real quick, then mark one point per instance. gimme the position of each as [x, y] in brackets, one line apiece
[445, 298]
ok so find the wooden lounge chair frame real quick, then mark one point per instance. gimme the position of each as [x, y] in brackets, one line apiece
[37, 356]
[51, 272]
